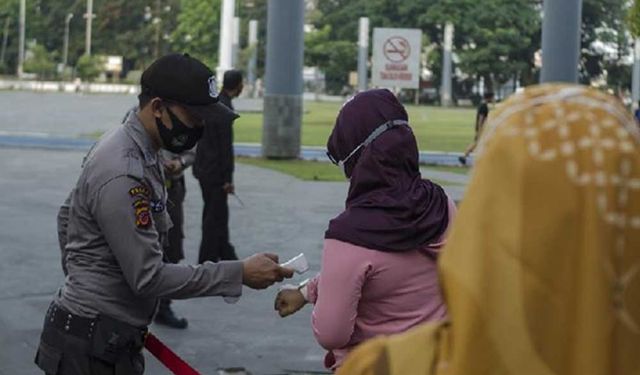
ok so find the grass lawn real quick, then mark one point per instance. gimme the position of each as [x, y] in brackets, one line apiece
[322, 171]
[301, 169]
[437, 129]
[444, 168]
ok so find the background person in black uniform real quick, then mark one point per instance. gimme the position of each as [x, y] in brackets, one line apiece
[214, 170]
[481, 118]
[174, 166]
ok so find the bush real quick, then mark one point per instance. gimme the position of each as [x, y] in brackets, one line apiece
[88, 67]
[41, 62]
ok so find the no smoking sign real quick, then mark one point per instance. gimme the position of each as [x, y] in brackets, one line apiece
[396, 57]
[396, 49]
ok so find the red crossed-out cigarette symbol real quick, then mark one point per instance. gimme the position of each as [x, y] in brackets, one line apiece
[396, 49]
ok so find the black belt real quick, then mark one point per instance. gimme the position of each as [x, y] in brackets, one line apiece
[79, 326]
[65, 321]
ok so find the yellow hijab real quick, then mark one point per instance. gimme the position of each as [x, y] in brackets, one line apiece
[542, 269]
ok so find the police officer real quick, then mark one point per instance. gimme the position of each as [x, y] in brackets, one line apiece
[213, 168]
[114, 221]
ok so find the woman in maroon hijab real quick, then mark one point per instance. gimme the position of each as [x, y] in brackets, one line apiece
[379, 273]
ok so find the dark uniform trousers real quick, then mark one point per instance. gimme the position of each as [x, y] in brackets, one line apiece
[73, 345]
[176, 192]
[215, 244]
[173, 251]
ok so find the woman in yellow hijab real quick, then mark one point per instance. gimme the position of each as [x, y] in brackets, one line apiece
[542, 270]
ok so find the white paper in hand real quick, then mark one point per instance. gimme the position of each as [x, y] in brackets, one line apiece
[298, 263]
[287, 287]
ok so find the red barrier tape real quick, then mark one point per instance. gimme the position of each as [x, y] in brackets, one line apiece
[167, 357]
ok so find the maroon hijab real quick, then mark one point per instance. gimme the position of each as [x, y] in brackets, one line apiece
[389, 206]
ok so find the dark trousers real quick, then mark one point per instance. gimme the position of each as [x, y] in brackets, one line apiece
[63, 353]
[176, 192]
[173, 250]
[215, 244]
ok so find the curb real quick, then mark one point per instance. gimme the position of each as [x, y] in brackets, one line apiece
[49, 142]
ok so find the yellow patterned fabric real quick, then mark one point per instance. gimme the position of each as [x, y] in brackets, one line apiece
[541, 271]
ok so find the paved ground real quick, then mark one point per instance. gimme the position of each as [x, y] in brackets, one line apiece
[281, 215]
[70, 114]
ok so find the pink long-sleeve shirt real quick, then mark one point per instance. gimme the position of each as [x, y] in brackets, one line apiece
[361, 293]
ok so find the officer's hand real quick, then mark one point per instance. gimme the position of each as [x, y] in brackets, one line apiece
[172, 166]
[288, 301]
[262, 270]
[229, 188]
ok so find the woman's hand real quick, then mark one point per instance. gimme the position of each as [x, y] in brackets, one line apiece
[288, 301]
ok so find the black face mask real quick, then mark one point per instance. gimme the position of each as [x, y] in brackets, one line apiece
[180, 137]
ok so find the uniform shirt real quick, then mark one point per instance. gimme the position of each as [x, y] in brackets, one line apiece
[483, 111]
[214, 154]
[110, 234]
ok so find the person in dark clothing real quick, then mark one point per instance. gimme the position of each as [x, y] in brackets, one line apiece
[174, 166]
[481, 118]
[213, 168]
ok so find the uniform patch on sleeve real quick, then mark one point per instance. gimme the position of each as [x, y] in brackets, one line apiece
[142, 213]
[140, 190]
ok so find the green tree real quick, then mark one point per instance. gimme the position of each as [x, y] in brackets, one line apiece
[89, 67]
[135, 29]
[198, 30]
[494, 39]
[334, 47]
[633, 19]
[603, 21]
[336, 57]
[34, 28]
[45, 22]
[120, 28]
[41, 62]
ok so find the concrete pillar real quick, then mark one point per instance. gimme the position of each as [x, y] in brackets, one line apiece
[225, 53]
[235, 44]
[89, 15]
[635, 82]
[283, 90]
[445, 87]
[253, 59]
[363, 53]
[561, 40]
[22, 22]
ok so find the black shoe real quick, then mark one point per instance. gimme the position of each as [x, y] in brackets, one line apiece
[167, 317]
[462, 160]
